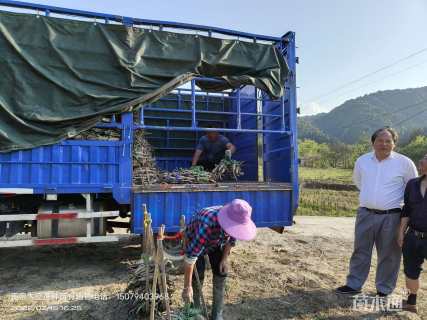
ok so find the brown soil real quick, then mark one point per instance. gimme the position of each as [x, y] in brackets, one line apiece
[277, 276]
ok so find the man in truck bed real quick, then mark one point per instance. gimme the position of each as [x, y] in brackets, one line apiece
[212, 147]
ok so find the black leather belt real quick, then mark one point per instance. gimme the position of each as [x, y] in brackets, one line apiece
[419, 234]
[395, 210]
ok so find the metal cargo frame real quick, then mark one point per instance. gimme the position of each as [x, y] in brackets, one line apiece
[264, 131]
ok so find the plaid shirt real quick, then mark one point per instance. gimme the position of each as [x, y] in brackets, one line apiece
[203, 234]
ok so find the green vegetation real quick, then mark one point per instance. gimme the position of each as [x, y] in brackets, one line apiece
[336, 155]
[323, 201]
[416, 148]
[334, 175]
[340, 155]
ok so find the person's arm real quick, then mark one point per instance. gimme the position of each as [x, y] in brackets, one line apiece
[357, 174]
[404, 221]
[411, 172]
[187, 291]
[231, 147]
[199, 150]
[223, 265]
[193, 248]
[404, 217]
[196, 157]
[188, 273]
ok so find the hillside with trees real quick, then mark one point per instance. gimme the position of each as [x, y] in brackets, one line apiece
[340, 155]
[405, 110]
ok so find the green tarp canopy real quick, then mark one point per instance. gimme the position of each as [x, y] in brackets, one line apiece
[58, 77]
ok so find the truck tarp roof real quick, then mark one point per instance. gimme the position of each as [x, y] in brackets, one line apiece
[58, 77]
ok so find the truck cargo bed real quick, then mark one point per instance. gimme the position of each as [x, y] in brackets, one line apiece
[271, 202]
[99, 170]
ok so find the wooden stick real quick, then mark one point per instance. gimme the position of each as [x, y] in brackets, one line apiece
[161, 261]
[148, 236]
[182, 227]
[182, 223]
[199, 286]
[160, 283]
[144, 242]
[154, 287]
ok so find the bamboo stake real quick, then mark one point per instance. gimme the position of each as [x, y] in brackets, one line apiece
[154, 287]
[148, 251]
[182, 227]
[199, 286]
[163, 270]
[182, 223]
[144, 242]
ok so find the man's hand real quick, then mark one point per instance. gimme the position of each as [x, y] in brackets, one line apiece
[223, 267]
[400, 237]
[196, 157]
[187, 295]
[404, 221]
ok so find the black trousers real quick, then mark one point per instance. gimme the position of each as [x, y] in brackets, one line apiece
[414, 254]
[215, 258]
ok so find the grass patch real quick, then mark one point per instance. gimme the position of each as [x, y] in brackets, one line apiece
[323, 202]
[326, 202]
[328, 175]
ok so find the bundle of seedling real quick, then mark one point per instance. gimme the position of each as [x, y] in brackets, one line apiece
[154, 273]
[193, 175]
[99, 134]
[227, 169]
[145, 171]
[150, 287]
[188, 313]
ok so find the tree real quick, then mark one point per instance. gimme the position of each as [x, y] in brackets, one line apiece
[416, 149]
[314, 154]
[341, 154]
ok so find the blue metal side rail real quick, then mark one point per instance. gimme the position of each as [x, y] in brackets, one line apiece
[194, 110]
[271, 203]
[135, 21]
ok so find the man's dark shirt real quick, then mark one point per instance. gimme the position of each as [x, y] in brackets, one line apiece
[213, 151]
[415, 205]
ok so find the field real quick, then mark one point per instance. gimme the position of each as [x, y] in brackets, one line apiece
[275, 277]
[343, 176]
[327, 192]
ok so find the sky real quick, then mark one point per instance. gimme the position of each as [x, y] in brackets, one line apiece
[339, 41]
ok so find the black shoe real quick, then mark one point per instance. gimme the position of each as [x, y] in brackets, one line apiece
[347, 290]
[381, 294]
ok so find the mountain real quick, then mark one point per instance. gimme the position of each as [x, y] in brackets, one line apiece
[403, 109]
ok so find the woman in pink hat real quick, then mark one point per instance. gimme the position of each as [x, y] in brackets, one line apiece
[213, 231]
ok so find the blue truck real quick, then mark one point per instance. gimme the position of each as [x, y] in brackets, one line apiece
[73, 191]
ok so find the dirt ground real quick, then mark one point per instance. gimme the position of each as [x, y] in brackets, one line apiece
[276, 276]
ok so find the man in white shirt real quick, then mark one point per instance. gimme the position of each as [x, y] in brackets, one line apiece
[381, 177]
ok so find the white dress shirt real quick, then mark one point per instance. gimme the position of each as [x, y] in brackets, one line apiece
[382, 183]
